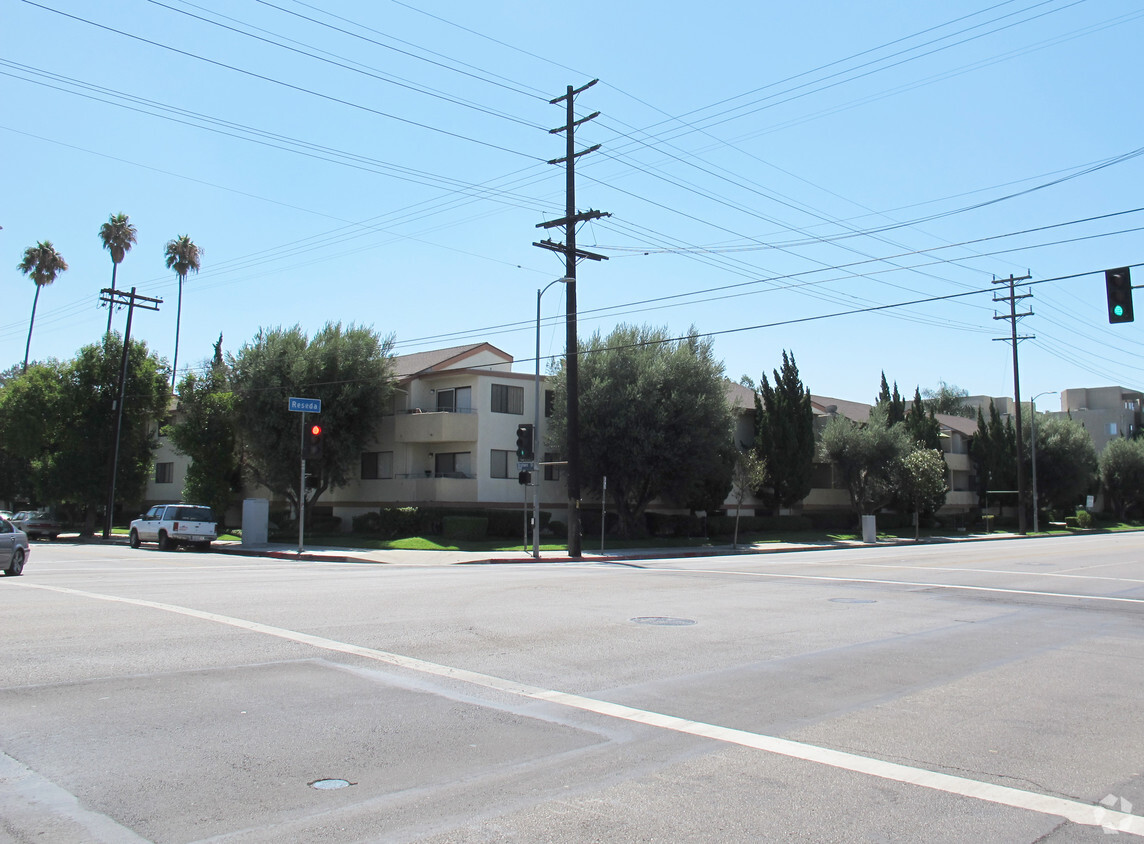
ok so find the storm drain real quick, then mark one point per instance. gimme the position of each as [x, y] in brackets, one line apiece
[328, 785]
[663, 621]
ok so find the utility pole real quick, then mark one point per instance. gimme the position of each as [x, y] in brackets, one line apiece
[1013, 316]
[571, 255]
[119, 297]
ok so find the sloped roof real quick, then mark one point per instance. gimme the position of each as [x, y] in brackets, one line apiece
[739, 396]
[406, 366]
[827, 406]
[961, 424]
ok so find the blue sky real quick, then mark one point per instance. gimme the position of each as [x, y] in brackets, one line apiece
[384, 163]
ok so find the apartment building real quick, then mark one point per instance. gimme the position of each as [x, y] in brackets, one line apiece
[449, 440]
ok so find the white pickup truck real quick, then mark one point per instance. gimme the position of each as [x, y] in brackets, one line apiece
[175, 524]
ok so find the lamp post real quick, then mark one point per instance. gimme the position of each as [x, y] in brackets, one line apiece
[536, 423]
[1033, 446]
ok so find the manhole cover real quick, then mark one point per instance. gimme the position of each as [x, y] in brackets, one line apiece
[663, 621]
[330, 784]
[853, 600]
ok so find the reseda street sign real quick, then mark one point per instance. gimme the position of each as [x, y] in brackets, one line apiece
[305, 405]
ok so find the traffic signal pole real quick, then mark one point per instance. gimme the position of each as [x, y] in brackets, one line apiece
[302, 484]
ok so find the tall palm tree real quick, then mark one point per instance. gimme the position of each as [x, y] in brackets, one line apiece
[118, 236]
[42, 263]
[182, 257]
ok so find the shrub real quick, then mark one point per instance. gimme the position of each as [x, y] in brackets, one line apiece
[1083, 519]
[465, 527]
[367, 522]
[557, 528]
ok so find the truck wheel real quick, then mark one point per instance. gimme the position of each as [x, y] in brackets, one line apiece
[165, 543]
[133, 540]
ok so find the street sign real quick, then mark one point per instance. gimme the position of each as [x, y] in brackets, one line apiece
[305, 405]
[525, 466]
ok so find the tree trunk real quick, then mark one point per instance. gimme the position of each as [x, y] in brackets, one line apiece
[28, 347]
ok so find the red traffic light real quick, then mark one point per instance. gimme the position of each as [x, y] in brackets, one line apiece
[316, 430]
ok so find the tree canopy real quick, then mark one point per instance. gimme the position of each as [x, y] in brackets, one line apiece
[60, 418]
[205, 431]
[867, 457]
[350, 369]
[654, 419]
[1066, 462]
[784, 434]
[1122, 474]
[922, 483]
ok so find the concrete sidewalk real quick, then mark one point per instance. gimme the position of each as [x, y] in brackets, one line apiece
[398, 557]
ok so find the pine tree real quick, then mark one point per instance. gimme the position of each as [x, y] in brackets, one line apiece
[784, 434]
[922, 425]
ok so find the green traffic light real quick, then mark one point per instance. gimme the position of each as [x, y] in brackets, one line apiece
[1118, 310]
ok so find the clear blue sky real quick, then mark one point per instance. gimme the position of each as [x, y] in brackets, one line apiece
[383, 163]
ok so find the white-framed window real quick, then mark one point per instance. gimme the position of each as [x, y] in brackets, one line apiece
[164, 473]
[376, 465]
[507, 399]
[498, 463]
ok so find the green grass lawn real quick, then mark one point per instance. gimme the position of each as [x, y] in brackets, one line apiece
[591, 544]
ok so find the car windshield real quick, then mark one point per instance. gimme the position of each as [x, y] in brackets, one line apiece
[194, 514]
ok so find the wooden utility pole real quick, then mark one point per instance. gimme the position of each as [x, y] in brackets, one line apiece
[571, 255]
[1013, 316]
[112, 298]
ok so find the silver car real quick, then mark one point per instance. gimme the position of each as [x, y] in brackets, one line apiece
[14, 548]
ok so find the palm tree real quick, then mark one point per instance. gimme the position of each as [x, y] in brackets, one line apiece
[182, 257]
[118, 236]
[42, 263]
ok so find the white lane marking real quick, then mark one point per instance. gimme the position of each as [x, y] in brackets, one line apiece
[1022, 572]
[1072, 810]
[879, 582]
[27, 797]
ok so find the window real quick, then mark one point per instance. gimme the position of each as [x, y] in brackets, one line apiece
[376, 464]
[1112, 429]
[508, 399]
[164, 473]
[499, 463]
[551, 473]
[452, 465]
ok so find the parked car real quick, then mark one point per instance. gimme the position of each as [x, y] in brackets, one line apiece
[37, 523]
[175, 524]
[14, 548]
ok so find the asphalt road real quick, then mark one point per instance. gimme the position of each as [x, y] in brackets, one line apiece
[986, 691]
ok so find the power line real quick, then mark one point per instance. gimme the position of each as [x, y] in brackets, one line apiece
[279, 82]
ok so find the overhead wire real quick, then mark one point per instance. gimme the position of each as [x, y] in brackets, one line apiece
[288, 85]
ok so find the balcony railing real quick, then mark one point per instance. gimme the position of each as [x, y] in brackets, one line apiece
[436, 426]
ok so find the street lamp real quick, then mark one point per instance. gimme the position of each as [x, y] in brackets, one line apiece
[536, 423]
[1033, 446]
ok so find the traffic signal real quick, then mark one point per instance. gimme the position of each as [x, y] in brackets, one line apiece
[524, 478]
[312, 450]
[524, 442]
[1118, 284]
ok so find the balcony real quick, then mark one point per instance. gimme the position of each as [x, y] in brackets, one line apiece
[957, 462]
[435, 426]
